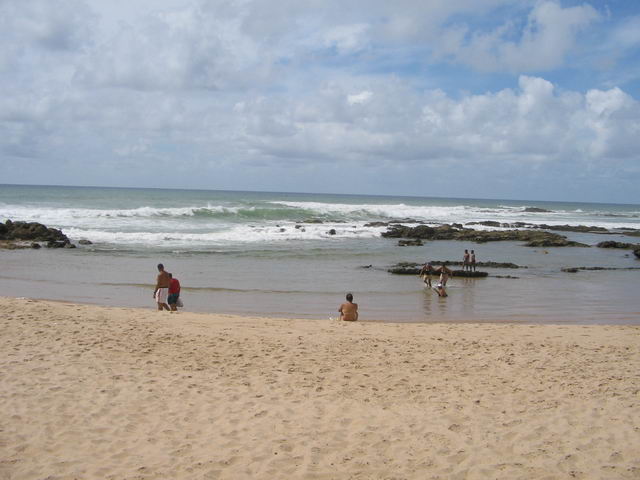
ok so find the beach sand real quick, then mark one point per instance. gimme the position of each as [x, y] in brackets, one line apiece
[119, 393]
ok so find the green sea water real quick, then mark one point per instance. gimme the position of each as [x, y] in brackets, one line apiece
[296, 255]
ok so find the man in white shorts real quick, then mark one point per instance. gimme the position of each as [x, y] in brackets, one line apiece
[161, 293]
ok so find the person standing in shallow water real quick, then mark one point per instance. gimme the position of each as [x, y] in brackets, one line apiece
[161, 293]
[425, 273]
[465, 261]
[349, 310]
[174, 293]
[472, 261]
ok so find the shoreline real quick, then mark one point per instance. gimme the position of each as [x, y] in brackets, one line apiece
[112, 392]
[519, 320]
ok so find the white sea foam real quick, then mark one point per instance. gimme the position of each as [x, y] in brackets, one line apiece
[239, 234]
[459, 213]
[261, 221]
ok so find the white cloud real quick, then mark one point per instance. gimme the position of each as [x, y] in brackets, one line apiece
[357, 98]
[258, 83]
[347, 38]
[533, 123]
[548, 36]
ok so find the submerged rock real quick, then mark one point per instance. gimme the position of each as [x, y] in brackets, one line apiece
[410, 243]
[536, 210]
[636, 252]
[464, 273]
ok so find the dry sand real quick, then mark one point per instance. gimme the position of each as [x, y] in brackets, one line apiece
[119, 393]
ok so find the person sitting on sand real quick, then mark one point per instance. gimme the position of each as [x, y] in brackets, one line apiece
[349, 310]
[425, 273]
[162, 288]
[472, 261]
[174, 293]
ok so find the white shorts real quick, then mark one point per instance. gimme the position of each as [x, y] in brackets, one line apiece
[161, 295]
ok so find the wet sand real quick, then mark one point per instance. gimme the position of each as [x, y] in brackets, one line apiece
[122, 393]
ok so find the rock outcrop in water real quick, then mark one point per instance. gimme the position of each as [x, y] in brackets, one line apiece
[30, 234]
[543, 226]
[536, 210]
[534, 238]
[410, 243]
[636, 252]
[413, 268]
[612, 244]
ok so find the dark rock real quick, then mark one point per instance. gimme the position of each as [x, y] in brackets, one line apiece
[85, 242]
[35, 246]
[376, 224]
[636, 252]
[556, 241]
[571, 269]
[573, 228]
[487, 223]
[533, 238]
[543, 226]
[404, 270]
[410, 243]
[56, 244]
[283, 230]
[612, 244]
[15, 232]
[69, 245]
[332, 231]
[536, 210]
[414, 265]
[463, 273]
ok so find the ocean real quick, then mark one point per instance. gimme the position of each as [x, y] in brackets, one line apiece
[297, 254]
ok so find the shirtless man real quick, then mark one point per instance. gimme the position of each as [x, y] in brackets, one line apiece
[442, 283]
[425, 273]
[349, 310]
[444, 274]
[162, 288]
[465, 261]
[472, 261]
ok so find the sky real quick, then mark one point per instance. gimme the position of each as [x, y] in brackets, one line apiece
[506, 99]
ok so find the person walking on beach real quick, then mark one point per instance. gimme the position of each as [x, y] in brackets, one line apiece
[425, 273]
[472, 261]
[465, 261]
[349, 310]
[174, 293]
[161, 293]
